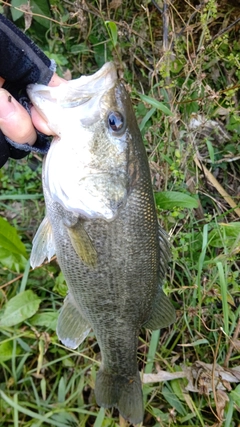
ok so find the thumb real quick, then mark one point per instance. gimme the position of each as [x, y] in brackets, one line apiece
[15, 121]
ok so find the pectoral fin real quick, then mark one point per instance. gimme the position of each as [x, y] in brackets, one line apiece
[163, 313]
[43, 244]
[82, 244]
[72, 328]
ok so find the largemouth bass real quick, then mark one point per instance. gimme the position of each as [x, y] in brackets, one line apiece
[101, 222]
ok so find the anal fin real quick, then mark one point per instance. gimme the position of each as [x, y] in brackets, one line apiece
[72, 327]
[163, 313]
[43, 244]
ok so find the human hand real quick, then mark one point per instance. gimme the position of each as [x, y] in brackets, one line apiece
[21, 63]
[16, 123]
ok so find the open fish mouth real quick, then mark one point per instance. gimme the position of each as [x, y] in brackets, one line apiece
[88, 86]
[74, 92]
[72, 102]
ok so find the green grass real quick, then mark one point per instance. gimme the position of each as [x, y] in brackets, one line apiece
[195, 71]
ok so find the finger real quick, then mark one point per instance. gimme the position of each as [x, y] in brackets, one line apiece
[39, 123]
[2, 80]
[56, 80]
[15, 121]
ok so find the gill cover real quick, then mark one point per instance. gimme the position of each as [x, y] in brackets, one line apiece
[85, 169]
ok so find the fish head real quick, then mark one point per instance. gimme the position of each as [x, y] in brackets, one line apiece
[87, 167]
[73, 100]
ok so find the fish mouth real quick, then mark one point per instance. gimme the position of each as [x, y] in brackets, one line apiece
[75, 100]
[78, 91]
[87, 86]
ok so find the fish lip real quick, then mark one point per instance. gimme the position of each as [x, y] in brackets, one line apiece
[107, 68]
[107, 75]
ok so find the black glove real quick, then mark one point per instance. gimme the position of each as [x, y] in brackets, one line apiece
[21, 63]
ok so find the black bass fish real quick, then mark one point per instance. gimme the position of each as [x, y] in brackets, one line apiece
[101, 222]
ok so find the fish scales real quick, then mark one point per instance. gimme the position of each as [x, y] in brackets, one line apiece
[113, 267]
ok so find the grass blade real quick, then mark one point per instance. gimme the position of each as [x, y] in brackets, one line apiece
[200, 269]
[100, 418]
[15, 399]
[152, 351]
[223, 286]
[25, 277]
[17, 407]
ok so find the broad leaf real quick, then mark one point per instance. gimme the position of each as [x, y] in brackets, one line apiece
[20, 308]
[6, 351]
[10, 240]
[47, 319]
[225, 235]
[12, 261]
[171, 199]
[113, 31]
[16, 14]
[41, 7]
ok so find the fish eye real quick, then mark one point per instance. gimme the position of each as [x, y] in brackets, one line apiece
[116, 121]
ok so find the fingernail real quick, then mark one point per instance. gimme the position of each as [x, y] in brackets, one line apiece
[7, 104]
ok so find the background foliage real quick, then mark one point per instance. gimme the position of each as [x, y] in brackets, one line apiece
[180, 61]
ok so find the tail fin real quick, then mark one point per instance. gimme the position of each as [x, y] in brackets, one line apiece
[125, 393]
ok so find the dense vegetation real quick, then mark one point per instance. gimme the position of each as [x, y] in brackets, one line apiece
[180, 61]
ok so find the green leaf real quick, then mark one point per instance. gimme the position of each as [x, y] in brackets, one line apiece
[16, 14]
[41, 7]
[100, 418]
[113, 31]
[101, 50]
[10, 240]
[12, 261]
[60, 286]
[156, 104]
[47, 319]
[6, 351]
[176, 66]
[170, 199]
[173, 400]
[225, 235]
[65, 419]
[146, 118]
[79, 48]
[235, 395]
[210, 150]
[20, 308]
[57, 57]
